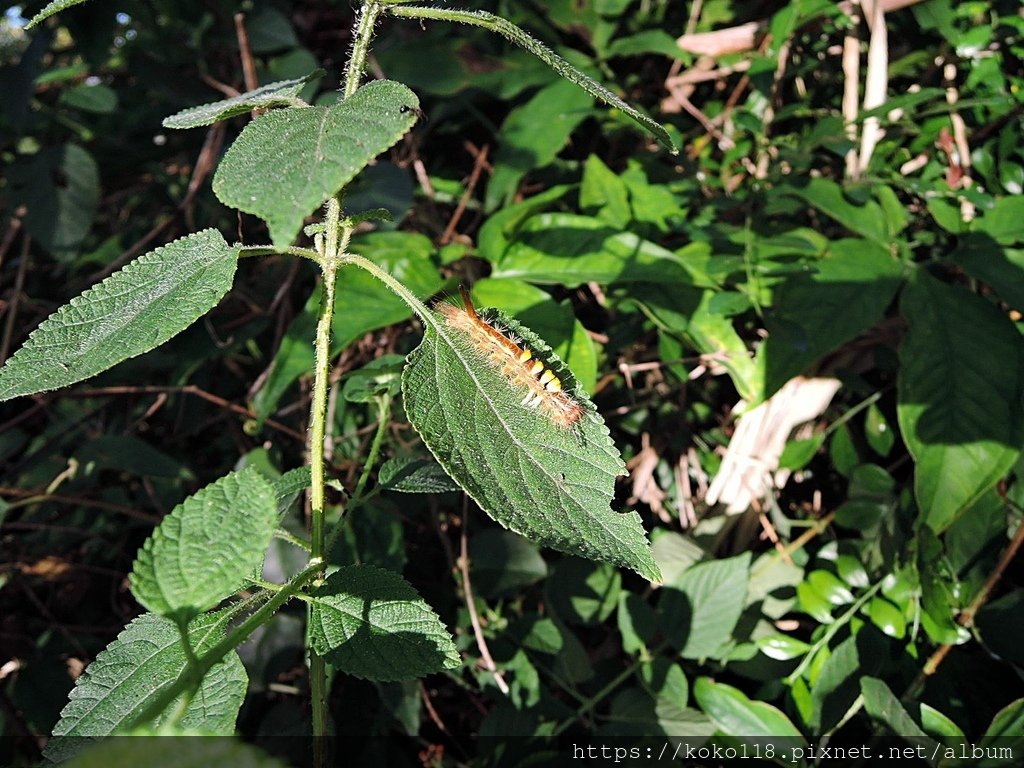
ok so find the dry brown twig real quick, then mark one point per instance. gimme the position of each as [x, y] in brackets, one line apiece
[645, 488]
[479, 164]
[188, 389]
[12, 305]
[474, 618]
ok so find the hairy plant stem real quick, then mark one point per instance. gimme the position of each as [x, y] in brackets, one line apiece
[331, 245]
[335, 240]
[365, 22]
[514, 34]
[394, 285]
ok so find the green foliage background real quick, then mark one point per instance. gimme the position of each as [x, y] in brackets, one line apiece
[673, 287]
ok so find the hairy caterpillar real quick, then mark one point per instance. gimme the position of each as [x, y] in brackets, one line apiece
[516, 361]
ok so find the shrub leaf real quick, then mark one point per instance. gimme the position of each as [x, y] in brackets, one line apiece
[133, 311]
[549, 483]
[287, 162]
[280, 94]
[203, 551]
[961, 388]
[134, 669]
[369, 622]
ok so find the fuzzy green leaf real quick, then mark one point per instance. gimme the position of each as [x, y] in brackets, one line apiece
[133, 311]
[51, 8]
[369, 622]
[288, 161]
[283, 93]
[135, 669]
[408, 475]
[204, 550]
[511, 32]
[963, 425]
[550, 483]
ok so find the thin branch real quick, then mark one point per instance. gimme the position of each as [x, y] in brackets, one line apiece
[13, 226]
[245, 54]
[188, 389]
[966, 617]
[478, 632]
[27, 496]
[479, 163]
[12, 307]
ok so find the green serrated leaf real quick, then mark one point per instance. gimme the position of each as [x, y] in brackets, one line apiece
[288, 161]
[133, 311]
[283, 93]
[408, 475]
[203, 551]
[963, 425]
[370, 623]
[51, 8]
[550, 483]
[511, 32]
[289, 485]
[134, 669]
